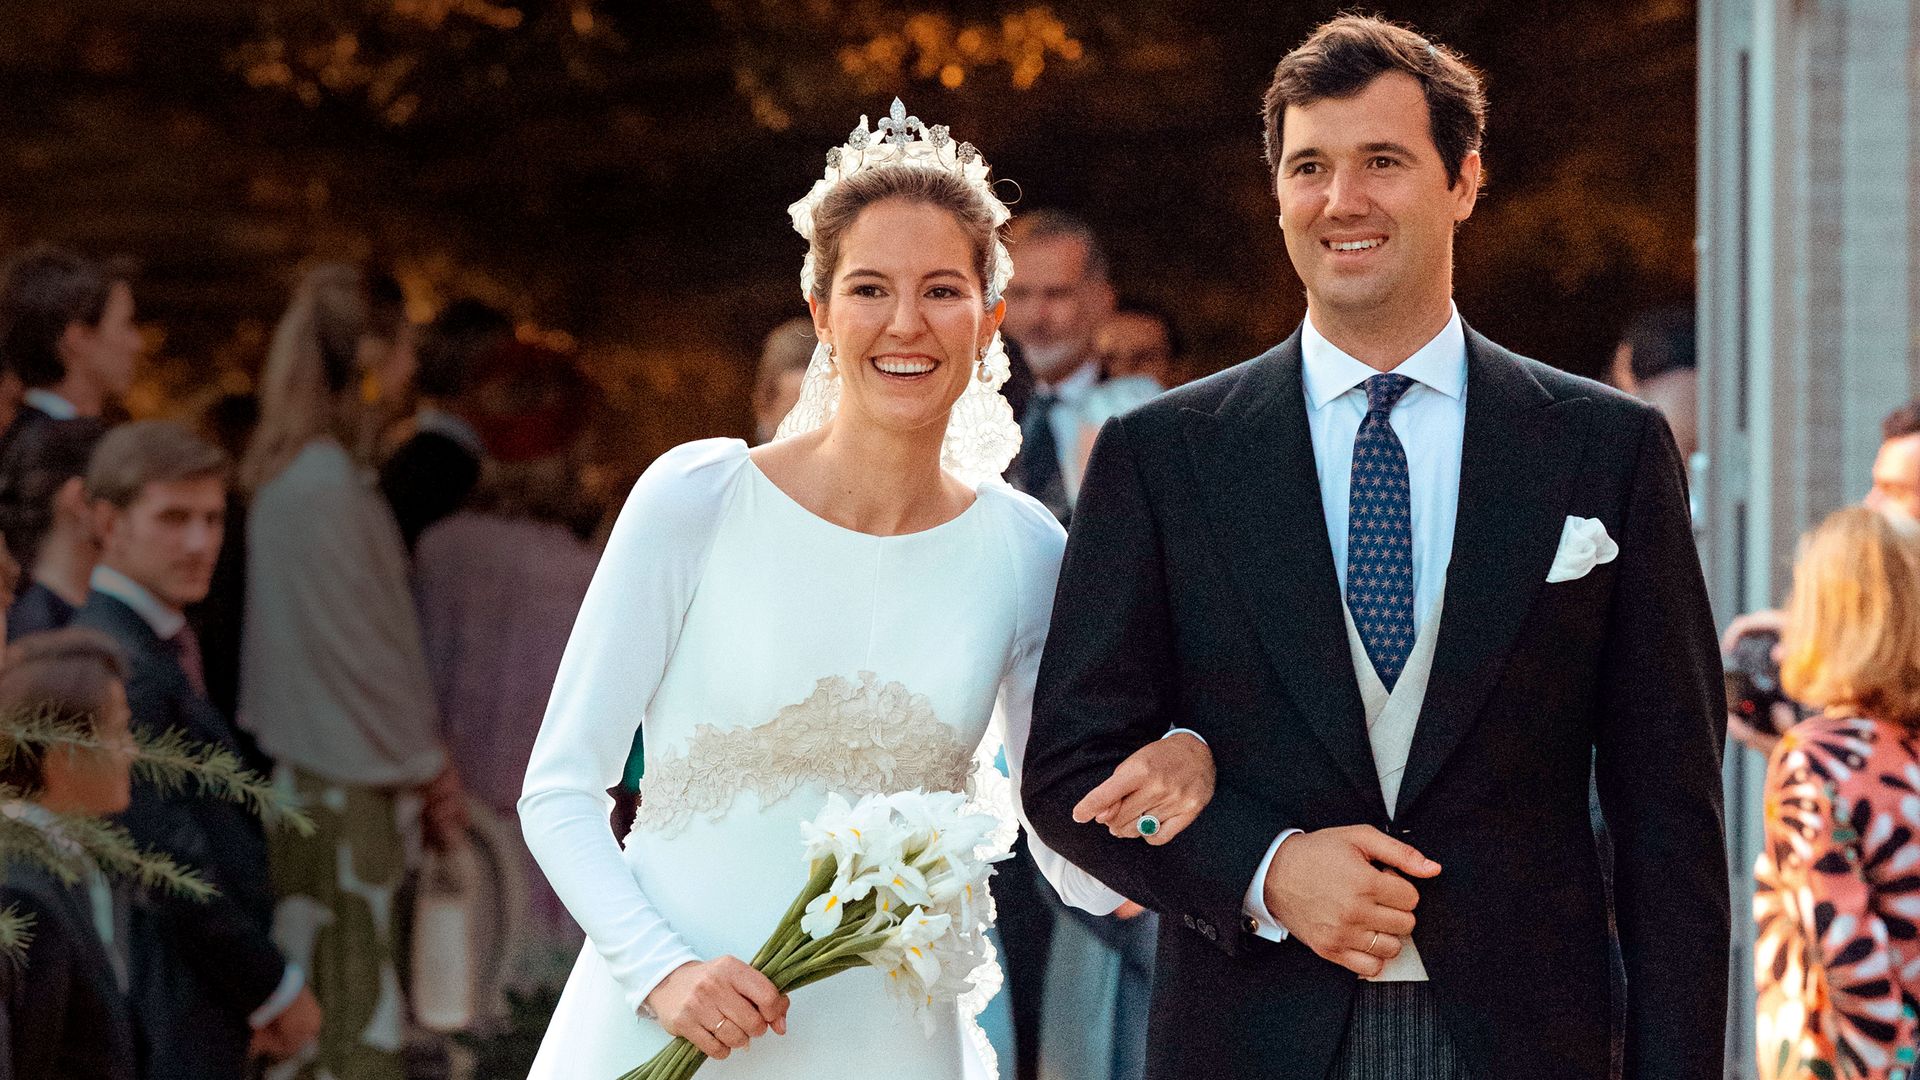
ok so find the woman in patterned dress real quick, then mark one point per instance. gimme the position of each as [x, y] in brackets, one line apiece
[1838, 961]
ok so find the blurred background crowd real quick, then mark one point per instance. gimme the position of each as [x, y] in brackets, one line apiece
[332, 335]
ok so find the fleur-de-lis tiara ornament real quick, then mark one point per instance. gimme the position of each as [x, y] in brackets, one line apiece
[981, 436]
[900, 139]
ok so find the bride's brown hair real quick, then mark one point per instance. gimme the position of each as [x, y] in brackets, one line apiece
[931, 187]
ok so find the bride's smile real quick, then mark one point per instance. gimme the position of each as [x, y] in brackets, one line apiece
[905, 316]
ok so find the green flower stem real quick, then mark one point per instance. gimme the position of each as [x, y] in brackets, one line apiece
[849, 948]
[795, 940]
[790, 922]
[828, 971]
[811, 950]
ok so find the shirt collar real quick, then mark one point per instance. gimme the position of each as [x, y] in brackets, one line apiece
[441, 422]
[165, 621]
[1440, 364]
[1076, 383]
[50, 403]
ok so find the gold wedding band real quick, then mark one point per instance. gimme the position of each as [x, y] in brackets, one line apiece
[1371, 942]
[716, 1028]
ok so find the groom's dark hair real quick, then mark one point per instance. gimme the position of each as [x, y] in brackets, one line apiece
[1340, 58]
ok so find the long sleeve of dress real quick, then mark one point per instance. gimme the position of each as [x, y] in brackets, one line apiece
[1036, 558]
[621, 644]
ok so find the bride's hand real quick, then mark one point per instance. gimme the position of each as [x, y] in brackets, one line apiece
[1170, 778]
[718, 1005]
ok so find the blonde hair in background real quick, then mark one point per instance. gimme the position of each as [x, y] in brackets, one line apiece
[308, 389]
[1853, 622]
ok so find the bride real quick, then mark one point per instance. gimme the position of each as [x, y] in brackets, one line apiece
[842, 610]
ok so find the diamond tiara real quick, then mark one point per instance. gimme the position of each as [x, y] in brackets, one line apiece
[900, 139]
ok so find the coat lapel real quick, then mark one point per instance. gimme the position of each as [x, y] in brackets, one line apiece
[1517, 466]
[1254, 459]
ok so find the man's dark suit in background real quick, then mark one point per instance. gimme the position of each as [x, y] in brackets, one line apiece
[220, 960]
[65, 1014]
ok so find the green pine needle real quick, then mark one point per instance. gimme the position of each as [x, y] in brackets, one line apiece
[16, 933]
[171, 762]
[69, 845]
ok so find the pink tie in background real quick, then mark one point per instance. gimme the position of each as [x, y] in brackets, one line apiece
[186, 647]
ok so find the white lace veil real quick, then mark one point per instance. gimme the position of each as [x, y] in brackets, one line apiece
[982, 437]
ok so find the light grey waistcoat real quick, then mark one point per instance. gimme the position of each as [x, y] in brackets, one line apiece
[1390, 722]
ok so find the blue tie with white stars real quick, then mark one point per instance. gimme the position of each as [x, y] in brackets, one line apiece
[1380, 535]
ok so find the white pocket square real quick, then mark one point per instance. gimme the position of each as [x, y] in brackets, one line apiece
[1584, 544]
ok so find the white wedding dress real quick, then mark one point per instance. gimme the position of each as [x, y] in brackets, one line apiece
[771, 657]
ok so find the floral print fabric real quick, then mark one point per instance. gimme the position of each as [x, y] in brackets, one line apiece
[1837, 962]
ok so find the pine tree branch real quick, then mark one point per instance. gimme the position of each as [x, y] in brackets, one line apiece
[70, 845]
[23, 841]
[171, 762]
[16, 933]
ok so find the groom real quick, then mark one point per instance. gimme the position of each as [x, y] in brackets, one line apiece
[1409, 588]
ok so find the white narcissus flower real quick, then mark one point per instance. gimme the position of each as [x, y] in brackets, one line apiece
[901, 885]
[823, 913]
[830, 831]
[925, 860]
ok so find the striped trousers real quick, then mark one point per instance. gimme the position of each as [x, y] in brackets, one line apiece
[1395, 1033]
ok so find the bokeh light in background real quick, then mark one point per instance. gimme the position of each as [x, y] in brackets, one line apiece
[617, 174]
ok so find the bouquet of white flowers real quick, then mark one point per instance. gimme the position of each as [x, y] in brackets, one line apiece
[897, 882]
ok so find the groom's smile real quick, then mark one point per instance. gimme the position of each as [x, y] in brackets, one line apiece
[1367, 208]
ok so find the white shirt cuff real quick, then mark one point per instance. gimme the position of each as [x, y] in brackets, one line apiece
[1264, 924]
[1171, 732]
[292, 981]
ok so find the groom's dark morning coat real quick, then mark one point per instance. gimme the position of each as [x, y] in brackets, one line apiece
[1199, 590]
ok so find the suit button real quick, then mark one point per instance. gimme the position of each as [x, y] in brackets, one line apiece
[1188, 919]
[1207, 929]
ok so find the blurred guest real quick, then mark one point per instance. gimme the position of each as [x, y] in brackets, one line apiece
[332, 678]
[1140, 341]
[783, 367]
[1837, 964]
[1896, 468]
[499, 586]
[228, 423]
[49, 527]
[64, 1006]
[436, 461]
[67, 331]
[1056, 304]
[1894, 490]
[222, 989]
[1655, 363]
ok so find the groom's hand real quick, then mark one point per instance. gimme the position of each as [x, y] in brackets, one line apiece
[1326, 890]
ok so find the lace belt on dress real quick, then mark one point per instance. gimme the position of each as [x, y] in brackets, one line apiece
[857, 740]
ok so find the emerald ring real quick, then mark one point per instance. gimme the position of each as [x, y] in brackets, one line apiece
[1148, 825]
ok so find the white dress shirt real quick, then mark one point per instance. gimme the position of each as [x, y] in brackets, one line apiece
[1431, 422]
[50, 403]
[1082, 402]
[166, 622]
